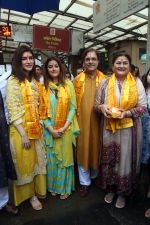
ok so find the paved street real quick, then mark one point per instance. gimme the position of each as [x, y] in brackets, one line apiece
[80, 211]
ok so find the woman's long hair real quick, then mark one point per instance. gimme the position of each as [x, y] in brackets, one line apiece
[17, 69]
[62, 75]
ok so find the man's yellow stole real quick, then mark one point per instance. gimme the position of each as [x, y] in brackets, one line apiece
[79, 83]
[128, 100]
[32, 125]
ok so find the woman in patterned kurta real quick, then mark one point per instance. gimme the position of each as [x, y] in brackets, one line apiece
[27, 145]
[122, 100]
[60, 129]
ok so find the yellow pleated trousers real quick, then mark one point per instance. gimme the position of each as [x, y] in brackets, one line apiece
[36, 187]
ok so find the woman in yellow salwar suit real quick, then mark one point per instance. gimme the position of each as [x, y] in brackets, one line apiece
[61, 129]
[26, 141]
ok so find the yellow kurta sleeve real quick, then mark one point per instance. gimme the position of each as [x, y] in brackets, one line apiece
[14, 100]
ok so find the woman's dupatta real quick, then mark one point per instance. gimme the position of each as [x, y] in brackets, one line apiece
[128, 100]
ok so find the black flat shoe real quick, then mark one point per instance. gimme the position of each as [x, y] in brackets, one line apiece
[83, 191]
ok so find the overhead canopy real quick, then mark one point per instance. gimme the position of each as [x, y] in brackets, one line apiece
[78, 15]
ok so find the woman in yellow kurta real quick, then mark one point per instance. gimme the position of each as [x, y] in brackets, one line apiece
[26, 141]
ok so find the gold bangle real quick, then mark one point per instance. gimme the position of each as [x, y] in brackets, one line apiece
[128, 113]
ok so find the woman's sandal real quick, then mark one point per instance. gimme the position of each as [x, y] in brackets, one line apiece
[53, 194]
[147, 213]
[109, 197]
[35, 203]
[64, 197]
[11, 209]
[121, 202]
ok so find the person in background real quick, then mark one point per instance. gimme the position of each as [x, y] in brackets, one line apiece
[3, 82]
[68, 75]
[146, 133]
[61, 129]
[39, 74]
[121, 100]
[7, 169]
[109, 72]
[26, 142]
[79, 70]
[135, 71]
[67, 72]
[88, 150]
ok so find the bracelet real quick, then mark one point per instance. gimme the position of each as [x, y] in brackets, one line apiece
[127, 113]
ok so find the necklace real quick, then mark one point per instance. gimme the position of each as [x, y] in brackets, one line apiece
[120, 84]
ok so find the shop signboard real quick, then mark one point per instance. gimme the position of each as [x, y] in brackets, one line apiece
[51, 39]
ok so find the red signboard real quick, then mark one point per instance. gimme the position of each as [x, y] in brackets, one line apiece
[51, 39]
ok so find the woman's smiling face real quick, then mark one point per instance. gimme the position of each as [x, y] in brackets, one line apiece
[121, 66]
[27, 61]
[53, 69]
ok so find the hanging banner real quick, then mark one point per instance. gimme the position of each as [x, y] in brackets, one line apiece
[51, 39]
[108, 12]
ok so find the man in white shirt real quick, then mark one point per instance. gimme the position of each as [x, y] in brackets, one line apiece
[3, 82]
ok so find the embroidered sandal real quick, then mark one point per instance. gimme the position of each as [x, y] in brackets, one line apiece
[35, 203]
[109, 197]
[64, 197]
[53, 194]
[121, 202]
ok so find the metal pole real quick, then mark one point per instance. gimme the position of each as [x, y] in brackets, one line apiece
[148, 39]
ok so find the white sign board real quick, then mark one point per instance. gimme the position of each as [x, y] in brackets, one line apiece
[22, 33]
[77, 41]
[107, 12]
[7, 57]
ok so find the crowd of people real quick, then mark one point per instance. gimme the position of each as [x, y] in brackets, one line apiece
[99, 122]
